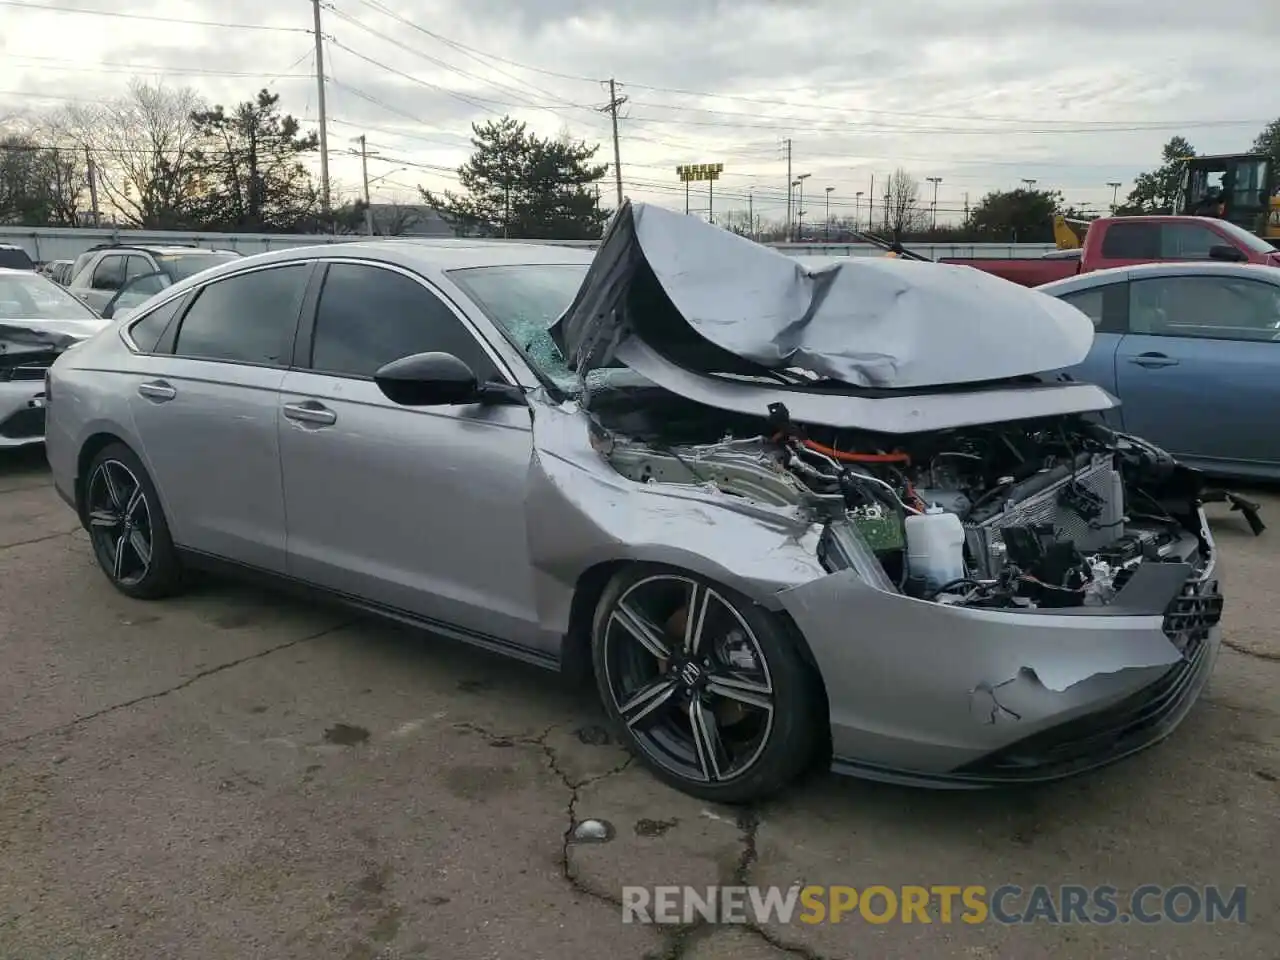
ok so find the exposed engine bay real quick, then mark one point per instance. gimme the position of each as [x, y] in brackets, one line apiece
[1050, 513]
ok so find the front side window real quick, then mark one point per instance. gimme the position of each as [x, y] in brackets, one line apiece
[135, 265]
[1212, 308]
[249, 318]
[109, 273]
[369, 316]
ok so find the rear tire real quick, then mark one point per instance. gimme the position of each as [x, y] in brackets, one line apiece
[127, 526]
[706, 687]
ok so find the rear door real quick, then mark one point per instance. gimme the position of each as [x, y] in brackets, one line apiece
[421, 509]
[1199, 370]
[205, 403]
[1106, 305]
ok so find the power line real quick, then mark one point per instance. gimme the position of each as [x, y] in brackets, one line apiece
[387, 12]
[492, 56]
[79, 66]
[524, 101]
[51, 8]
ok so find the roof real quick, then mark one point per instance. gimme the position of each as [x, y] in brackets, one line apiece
[427, 256]
[1148, 271]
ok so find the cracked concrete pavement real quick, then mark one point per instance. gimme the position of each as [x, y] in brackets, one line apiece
[236, 774]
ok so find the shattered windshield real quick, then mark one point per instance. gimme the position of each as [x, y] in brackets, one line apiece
[29, 296]
[526, 300]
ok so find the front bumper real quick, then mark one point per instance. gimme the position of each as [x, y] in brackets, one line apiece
[946, 696]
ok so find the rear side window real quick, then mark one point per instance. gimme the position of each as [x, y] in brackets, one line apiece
[369, 316]
[1088, 302]
[250, 318]
[1131, 241]
[146, 333]
[15, 258]
[109, 273]
[1187, 241]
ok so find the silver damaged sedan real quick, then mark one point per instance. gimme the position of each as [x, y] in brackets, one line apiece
[782, 513]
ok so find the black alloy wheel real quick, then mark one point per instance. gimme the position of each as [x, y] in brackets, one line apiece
[707, 687]
[127, 527]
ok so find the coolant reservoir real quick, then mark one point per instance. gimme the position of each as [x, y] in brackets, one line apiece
[935, 547]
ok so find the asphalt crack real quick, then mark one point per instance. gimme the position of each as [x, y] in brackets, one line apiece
[1245, 651]
[676, 941]
[47, 536]
[181, 685]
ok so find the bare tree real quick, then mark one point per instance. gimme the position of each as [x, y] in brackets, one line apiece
[395, 219]
[142, 146]
[903, 209]
[40, 185]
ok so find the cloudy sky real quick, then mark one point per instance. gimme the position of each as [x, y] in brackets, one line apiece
[982, 93]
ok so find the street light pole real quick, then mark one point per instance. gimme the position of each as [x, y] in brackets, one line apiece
[826, 231]
[935, 181]
[1029, 182]
[857, 214]
[800, 179]
[1115, 190]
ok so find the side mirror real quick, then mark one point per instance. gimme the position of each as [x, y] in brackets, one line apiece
[1222, 251]
[439, 379]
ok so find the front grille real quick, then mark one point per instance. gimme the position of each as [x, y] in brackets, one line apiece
[31, 367]
[1190, 616]
[24, 424]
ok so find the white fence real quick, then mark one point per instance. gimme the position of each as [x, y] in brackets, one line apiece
[65, 243]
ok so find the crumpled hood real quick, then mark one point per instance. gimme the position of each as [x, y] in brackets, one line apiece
[712, 301]
[43, 336]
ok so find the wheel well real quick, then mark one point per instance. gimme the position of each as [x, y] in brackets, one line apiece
[91, 448]
[575, 650]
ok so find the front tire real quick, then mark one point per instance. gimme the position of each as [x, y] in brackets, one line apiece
[705, 686]
[127, 526]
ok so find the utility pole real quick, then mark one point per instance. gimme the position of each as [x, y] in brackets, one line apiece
[711, 205]
[935, 181]
[324, 132]
[611, 108]
[966, 207]
[751, 212]
[857, 211]
[364, 169]
[92, 170]
[826, 231]
[790, 185]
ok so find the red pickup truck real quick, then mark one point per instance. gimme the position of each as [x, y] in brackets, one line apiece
[1124, 241]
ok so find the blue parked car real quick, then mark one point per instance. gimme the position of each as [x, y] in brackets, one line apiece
[1193, 352]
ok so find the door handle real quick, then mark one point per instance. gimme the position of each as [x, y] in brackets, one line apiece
[157, 390]
[1152, 360]
[309, 411]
